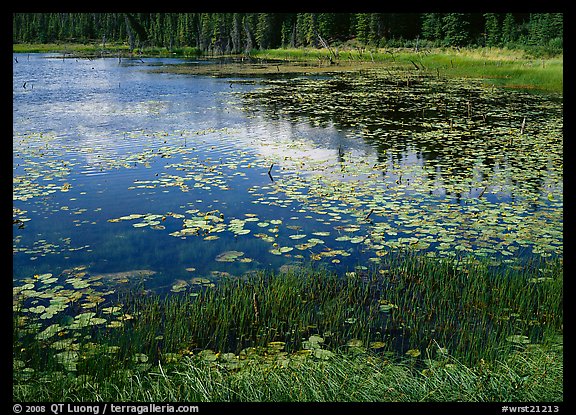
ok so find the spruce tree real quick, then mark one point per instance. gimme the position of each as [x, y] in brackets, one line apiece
[491, 30]
[455, 27]
[432, 27]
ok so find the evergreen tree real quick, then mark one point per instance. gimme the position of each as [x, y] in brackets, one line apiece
[509, 33]
[455, 27]
[237, 32]
[288, 32]
[217, 39]
[491, 30]
[362, 27]
[376, 28]
[264, 29]
[303, 29]
[249, 26]
[326, 25]
[205, 31]
[432, 26]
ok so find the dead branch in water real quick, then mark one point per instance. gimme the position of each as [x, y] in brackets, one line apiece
[368, 215]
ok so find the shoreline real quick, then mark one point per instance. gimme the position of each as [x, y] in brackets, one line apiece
[495, 67]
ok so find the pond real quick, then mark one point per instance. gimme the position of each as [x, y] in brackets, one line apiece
[124, 171]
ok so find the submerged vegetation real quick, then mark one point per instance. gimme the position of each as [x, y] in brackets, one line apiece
[419, 329]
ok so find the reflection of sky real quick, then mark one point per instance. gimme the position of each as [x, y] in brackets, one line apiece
[301, 149]
[111, 124]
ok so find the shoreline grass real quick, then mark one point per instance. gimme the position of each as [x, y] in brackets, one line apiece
[418, 329]
[497, 67]
[532, 375]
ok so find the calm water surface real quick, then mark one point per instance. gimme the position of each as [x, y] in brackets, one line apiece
[118, 168]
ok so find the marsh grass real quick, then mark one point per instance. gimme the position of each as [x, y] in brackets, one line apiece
[534, 374]
[440, 327]
[498, 67]
[96, 49]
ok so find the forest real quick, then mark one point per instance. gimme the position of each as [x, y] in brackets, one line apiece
[224, 33]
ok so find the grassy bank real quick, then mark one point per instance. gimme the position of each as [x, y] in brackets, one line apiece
[418, 329]
[506, 68]
[99, 50]
[499, 67]
[532, 375]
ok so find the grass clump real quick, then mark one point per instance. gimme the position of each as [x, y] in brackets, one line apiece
[534, 374]
[418, 329]
[499, 67]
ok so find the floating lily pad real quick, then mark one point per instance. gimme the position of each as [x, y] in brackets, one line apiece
[49, 331]
[139, 358]
[313, 342]
[229, 256]
[354, 343]
[323, 354]
[377, 345]
[68, 359]
[200, 281]
[518, 338]
[413, 353]
[281, 250]
[179, 286]
[208, 355]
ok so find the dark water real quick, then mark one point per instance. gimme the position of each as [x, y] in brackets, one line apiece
[224, 175]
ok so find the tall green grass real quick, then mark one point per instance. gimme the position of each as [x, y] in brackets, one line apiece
[499, 67]
[97, 49]
[426, 317]
[532, 375]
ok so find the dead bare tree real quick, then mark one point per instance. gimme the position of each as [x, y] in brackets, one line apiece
[324, 43]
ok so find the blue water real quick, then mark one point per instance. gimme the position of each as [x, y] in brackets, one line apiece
[97, 140]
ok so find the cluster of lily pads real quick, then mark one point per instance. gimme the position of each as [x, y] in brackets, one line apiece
[454, 167]
[448, 173]
[81, 316]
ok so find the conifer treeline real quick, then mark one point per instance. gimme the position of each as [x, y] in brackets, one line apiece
[240, 32]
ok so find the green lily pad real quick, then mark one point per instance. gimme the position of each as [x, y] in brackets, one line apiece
[377, 345]
[313, 342]
[208, 355]
[413, 353]
[68, 359]
[354, 343]
[518, 338]
[229, 256]
[49, 331]
[139, 358]
[179, 286]
[323, 354]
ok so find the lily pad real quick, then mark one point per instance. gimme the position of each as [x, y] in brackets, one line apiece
[413, 353]
[179, 286]
[229, 256]
[323, 354]
[518, 338]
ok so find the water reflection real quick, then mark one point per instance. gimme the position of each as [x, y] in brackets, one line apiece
[334, 170]
[463, 132]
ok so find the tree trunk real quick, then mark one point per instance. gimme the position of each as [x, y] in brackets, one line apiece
[130, 33]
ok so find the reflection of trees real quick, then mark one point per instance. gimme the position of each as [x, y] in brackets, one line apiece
[446, 122]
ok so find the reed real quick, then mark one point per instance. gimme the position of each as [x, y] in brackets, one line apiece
[416, 311]
[532, 375]
[499, 67]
